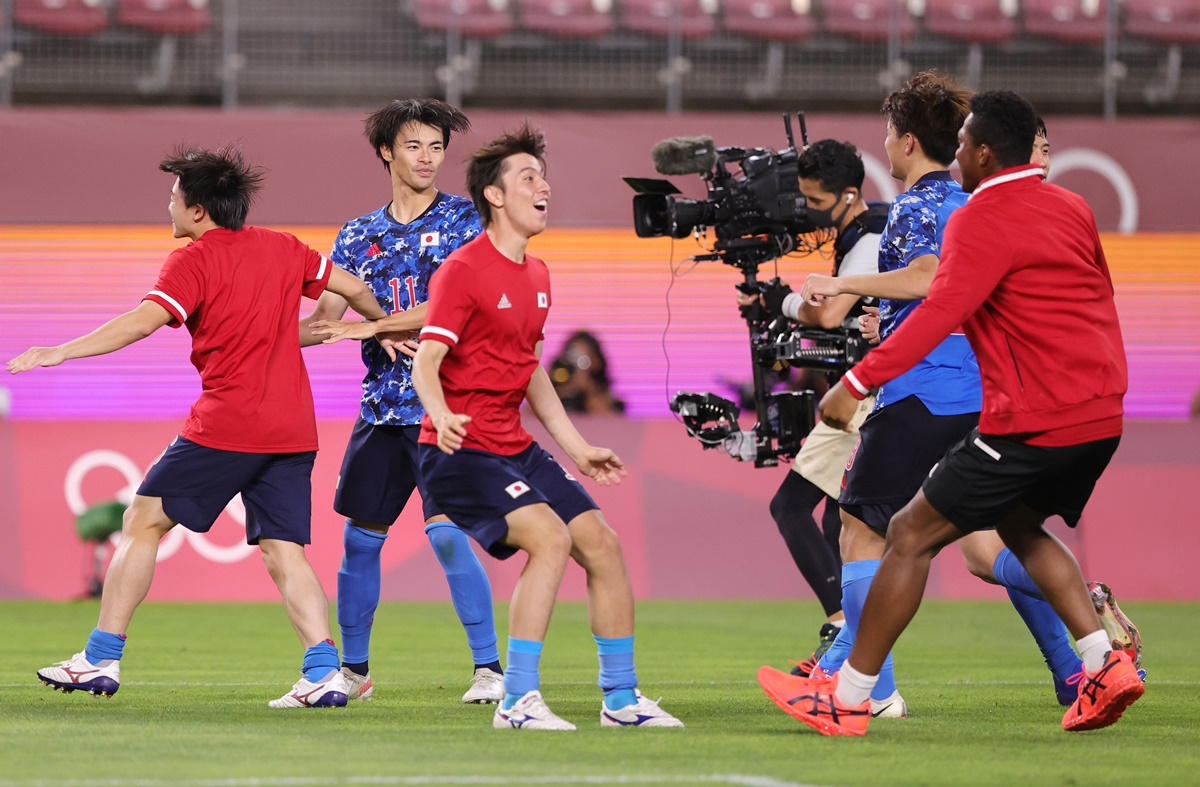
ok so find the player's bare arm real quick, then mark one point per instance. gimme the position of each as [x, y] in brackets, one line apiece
[330, 306]
[122, 331]
[399, 326]
[907, 284]
[451, 427]
[600, 464]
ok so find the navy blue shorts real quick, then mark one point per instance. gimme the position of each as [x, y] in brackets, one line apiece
[985, 477]
[379, 473]
[195, 484]
[477, 489]
[898, 446]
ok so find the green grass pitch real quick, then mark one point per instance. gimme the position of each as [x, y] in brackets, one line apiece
[196, 679]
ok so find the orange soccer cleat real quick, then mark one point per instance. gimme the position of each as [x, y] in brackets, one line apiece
[811, 701]
[1104, 694]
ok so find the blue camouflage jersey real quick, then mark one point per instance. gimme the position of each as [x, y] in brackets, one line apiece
[396, 261]
[947, 380]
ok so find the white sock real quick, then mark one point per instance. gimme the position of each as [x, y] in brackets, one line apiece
[854, 688]
[837, 624]
[1092, 649]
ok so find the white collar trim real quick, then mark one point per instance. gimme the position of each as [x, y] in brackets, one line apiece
[1028, 172]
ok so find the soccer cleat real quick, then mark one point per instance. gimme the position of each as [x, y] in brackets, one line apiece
[643, 713]
[828, 634]
[329, 692]
[894, 707]
[487, 688]
[810, 668]
[812, 702]
[529, 713]
[77, 673]
[361, 686]
[1104, 694]
[1120, 629]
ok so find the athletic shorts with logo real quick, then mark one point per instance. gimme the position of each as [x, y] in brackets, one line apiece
[195, 484]
[822, 459]
[898, 445]
[984, 477]
[477, 489]
[380, 471]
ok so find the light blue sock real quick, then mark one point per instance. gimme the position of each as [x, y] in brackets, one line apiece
[469, 588]
[1048, 630]
[617, 675]
[319, 660]
[102, 645]
[856, 583]
[358, 590]
[521, 677]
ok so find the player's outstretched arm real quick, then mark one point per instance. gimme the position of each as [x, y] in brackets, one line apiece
[600, 464]
[356, 292]
[118, 332]
[405, 324]
[451, 427]
[330, 306]
[910, 283]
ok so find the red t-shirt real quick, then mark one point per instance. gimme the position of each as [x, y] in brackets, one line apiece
[238, 293]
[491, 311]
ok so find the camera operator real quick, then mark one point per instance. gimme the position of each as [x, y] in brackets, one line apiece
[831, 178]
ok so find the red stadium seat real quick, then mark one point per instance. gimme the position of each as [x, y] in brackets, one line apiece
[568, 18]
[654, 17]
[165, 17]
[1071, 21]
[769, 20]
[1172, 21]
[973, 21]
[473, 18]
[65, 17]
[867, 20]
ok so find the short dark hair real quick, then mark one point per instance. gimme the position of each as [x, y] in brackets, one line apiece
[837, 166]
[931, 106]
[384, 124]
[1041, 127]
[1006, 123]
[220, 181]
[486, 165]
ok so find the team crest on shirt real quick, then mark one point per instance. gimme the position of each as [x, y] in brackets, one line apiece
[431, 239]
[516, 489]
[543, 300]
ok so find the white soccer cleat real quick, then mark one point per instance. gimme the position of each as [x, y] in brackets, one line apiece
[487, 688]
[361, 687]
[329, 692]
[894, 707]
[643, 713]
[1122, 634]
[79, 674]
[529, 713]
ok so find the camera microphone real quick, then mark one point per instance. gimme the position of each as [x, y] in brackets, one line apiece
[684, 155]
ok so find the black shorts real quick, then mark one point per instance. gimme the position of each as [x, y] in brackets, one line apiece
[897, 446]
[379, 473]
[985, 477]
[195, 484]
[477, 489]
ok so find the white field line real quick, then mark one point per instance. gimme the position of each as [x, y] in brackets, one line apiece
[736, 779]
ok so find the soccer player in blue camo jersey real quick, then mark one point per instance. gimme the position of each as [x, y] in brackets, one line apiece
[395, 250]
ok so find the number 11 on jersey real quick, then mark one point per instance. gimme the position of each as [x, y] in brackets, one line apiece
[411, 286]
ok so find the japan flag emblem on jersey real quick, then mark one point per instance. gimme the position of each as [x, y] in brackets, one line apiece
[516, 489]
[430, 239]
[543, 300]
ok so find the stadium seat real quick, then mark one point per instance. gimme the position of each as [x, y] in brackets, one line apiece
[867, 20]
[165, 17]
[64, 17]
[654, 17]
[472, 18]
[769, 20]
[1171, 21]
[973, 21]
[568, 18]
[1070, 21]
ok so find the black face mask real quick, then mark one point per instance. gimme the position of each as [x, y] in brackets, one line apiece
[823, 219]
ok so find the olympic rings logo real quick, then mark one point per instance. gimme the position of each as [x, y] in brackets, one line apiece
[171, 543]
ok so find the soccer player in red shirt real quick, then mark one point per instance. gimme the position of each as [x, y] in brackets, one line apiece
[478, 360]
[253, 430]
[1052, 415]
